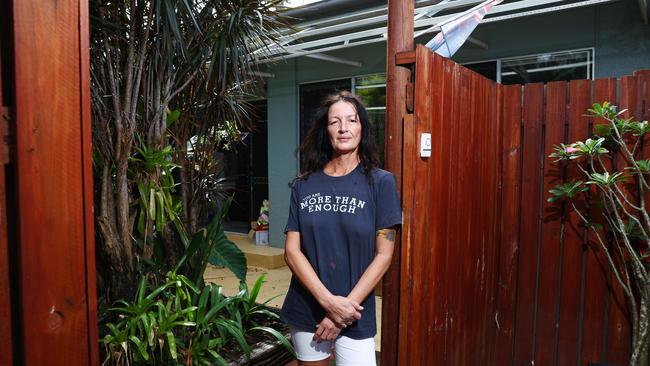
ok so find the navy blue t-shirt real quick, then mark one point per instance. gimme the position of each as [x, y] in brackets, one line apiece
[337, 218]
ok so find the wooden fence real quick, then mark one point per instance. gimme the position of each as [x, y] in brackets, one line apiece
[492, 273]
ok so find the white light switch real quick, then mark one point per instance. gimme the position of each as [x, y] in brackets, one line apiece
[425, 145]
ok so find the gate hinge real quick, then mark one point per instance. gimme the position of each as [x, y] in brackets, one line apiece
[410, 96]
[7, 140]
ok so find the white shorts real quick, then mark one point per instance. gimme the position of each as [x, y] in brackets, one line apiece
[347, 351]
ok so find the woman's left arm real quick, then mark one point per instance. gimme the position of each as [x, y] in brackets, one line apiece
[385, 243]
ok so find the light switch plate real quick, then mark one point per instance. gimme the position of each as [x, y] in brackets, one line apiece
[425, 145]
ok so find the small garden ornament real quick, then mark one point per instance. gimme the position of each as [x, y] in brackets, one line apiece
[262, 228]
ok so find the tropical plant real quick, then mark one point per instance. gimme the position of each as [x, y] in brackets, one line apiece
[176, 323]
[616, 181]
[150, 170]
[250, 307]
[167, 71]
[211, 245]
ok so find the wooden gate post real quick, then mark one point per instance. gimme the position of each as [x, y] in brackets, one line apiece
[400, 39]
[56, 299]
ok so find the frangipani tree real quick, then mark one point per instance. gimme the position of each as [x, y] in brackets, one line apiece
[621, 226]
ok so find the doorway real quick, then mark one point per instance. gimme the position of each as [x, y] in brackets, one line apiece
[247, 165]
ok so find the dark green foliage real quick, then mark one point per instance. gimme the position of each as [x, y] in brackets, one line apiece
[176, 323]
[210, 245]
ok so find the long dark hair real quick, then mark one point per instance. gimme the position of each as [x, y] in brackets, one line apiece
[316, 150]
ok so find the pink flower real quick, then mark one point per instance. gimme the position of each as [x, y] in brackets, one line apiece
[571, 150]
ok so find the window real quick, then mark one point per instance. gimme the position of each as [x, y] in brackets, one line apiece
[544, 67]
[371, 89]
[487, 69]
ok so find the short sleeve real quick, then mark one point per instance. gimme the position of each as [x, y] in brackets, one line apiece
[389, 209]
[293, 222]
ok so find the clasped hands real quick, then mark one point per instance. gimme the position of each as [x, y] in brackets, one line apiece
[341, 312]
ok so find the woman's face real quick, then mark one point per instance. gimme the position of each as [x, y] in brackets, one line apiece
[343, 127]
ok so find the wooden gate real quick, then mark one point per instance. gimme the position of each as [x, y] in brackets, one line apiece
[491, 273]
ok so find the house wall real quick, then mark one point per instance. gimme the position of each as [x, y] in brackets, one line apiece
[620, 39]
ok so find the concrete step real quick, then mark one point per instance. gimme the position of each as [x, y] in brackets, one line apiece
[262, 256]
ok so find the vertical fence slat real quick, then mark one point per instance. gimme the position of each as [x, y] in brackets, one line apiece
[54, 295]
[510, 105]
[421, 210]
[6, 342]
[594, 326]
[453, 243]
[490, 125]
[435, 287]
[572, 248]
[449, 106]
[550, 242]
[406, 278]
[529, 229]
[464, 207]
[409, 332]
[493, 210]
[618, 333]
[469, 317]
[87, 167]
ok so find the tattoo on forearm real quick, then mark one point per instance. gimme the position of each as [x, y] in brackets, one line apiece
[387, 233]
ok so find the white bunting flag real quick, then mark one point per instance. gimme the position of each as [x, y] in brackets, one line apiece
[455, 31]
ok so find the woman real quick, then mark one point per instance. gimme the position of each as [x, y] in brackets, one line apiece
[339, 237]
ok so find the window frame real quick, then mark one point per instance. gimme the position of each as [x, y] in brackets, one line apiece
[590, 58]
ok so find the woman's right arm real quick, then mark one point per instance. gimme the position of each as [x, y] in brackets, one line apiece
[340, 309]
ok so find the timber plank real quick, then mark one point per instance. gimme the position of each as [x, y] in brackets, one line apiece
[422, 191]
[434, 219]
[463, 206]
[480, 198]
[510, 104]
[594, 325]
[405, 58]
[406, 278]
[618, 327]
[87, 174]
[574, 237]
[52, 231]
[6, 341]
[529, 229]
[407, 237]
[455, 240]
[551, 241]
[498, 140]
[443, 147]
[490, 213]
